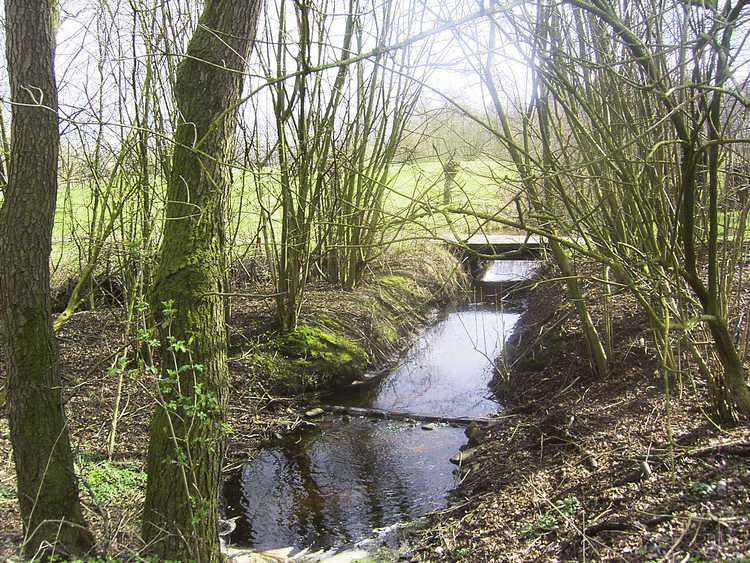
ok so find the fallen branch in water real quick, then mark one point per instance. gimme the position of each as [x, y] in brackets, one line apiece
[397, 415]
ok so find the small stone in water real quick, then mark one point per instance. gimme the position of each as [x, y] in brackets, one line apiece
[314, 413]
[428, 426]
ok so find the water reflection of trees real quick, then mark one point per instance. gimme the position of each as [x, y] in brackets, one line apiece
[334, 486]
[450, 374]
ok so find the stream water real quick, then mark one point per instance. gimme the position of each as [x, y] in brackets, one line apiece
[332, 485]
[504, 271]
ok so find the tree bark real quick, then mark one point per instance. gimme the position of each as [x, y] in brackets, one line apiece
[47, 486]
[187, 438]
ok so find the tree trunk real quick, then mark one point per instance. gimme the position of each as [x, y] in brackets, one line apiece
[735, 375]
[594, 346]
[187, 431]
[47, 487]
[450, 170]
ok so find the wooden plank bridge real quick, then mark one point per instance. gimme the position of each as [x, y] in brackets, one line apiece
[500, 245]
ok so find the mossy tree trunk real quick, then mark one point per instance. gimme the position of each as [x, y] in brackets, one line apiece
[186, 447]
[47, 487]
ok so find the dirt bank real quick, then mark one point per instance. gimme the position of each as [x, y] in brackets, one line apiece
[578, 468]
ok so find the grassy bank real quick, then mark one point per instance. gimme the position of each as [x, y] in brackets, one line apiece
[342, 334]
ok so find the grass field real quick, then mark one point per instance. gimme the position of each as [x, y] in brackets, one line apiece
[481, 186]
[413, 205]
[413, 198]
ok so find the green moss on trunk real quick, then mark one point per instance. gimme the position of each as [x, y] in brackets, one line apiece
[47, 486]
[187, 431]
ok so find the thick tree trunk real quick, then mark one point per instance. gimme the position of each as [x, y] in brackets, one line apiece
[47, 487]
[187, 438]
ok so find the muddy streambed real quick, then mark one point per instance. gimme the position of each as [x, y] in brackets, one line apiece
[332, 484]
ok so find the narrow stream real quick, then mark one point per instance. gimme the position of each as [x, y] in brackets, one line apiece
[332, 485]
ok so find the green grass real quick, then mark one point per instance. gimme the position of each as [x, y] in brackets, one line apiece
[480, 185]
[729, 223]
[109, 480]
[550, 521]
[7, 493]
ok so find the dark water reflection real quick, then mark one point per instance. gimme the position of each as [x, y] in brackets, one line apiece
[341, 481]
[334, 484]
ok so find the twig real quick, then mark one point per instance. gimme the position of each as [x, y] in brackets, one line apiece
[250, 295]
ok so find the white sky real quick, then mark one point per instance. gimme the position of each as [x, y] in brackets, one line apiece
[80, 48]
[82, 36]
